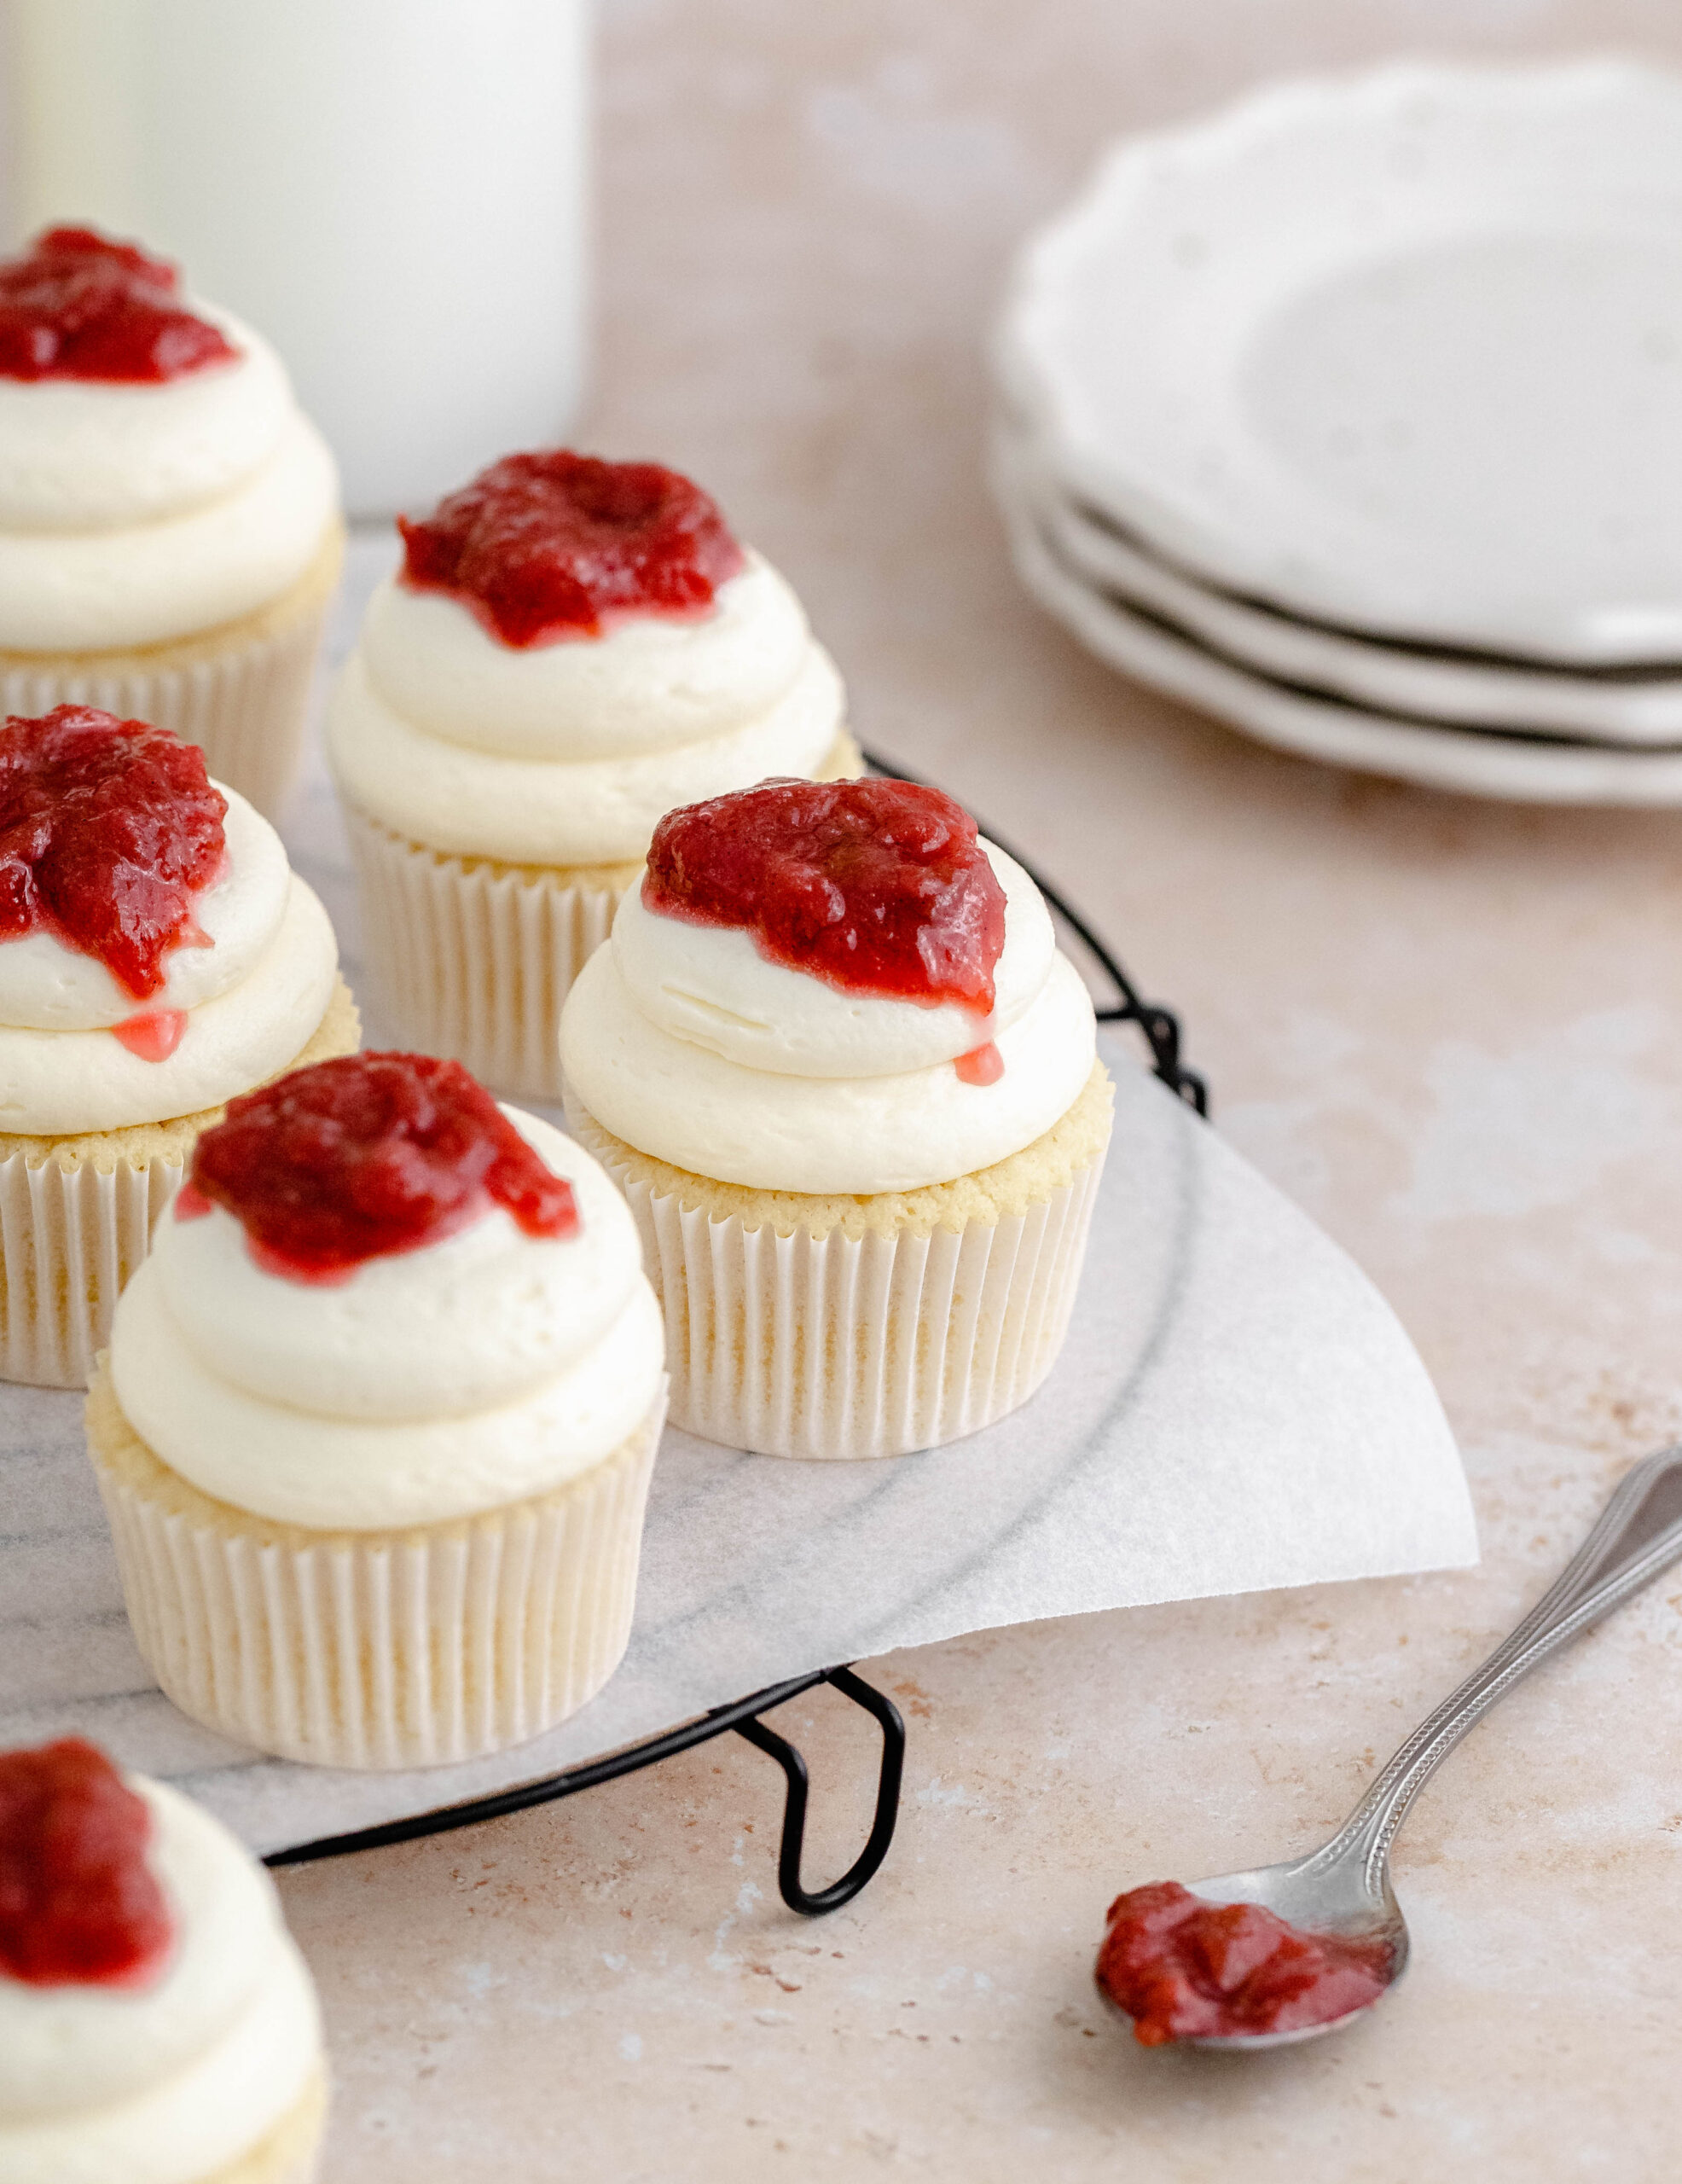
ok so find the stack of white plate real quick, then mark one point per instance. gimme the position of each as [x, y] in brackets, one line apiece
[1354, 415]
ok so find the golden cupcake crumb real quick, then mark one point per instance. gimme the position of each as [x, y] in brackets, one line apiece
[1011, 1187]
[339, 1032]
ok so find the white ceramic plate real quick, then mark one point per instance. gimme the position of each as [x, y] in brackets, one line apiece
[1624, 707]
[1474, 762]
[1401, 352]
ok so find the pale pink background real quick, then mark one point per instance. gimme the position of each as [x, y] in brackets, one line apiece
[1449, 1029]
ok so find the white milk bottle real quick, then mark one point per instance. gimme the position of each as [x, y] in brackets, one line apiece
[394, 191]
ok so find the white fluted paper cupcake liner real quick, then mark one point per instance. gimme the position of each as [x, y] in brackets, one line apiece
[377, 1650]
[69, 1239]
[842, 1346]
[245, 705]
[472, 961]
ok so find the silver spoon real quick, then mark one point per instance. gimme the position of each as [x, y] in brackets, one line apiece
[1344, 1887]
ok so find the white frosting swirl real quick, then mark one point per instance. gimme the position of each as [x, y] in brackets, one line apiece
[710, 985]
[46, 986]
[652, 682]
[431, 1385]
[59, 1084]
[86, 455]
[166, 2083]
[131, 514]
[569, 754]
[687, 1043]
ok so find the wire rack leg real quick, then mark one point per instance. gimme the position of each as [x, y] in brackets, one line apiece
[813, 1902]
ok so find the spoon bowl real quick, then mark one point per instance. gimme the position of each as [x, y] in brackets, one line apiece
[1316, 1897]
[1343, 1888]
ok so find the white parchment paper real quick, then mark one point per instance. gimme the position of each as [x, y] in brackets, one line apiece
[1237, 1409]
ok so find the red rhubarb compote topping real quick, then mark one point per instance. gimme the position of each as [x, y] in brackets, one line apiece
[552, 545]
[1185, 1969]
[108, 829]
[876, 886]
[76, 305]
[364, 1157]
[78, 1904]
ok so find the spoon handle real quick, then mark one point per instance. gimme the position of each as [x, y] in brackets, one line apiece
[1639, 1534]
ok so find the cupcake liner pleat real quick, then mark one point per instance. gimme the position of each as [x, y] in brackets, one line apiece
[69, 1239]
[844, 1346]
[380, 1650]
[473, 962]
[246, 706]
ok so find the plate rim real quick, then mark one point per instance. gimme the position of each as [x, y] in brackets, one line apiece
[1460, 761]
[1185, 531]
[1487, 696]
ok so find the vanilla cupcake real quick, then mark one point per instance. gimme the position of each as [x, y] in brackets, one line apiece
[570, 647]
[157, 955]
[849, 1086]
[170, 534]
[156, 2023]
[377, 1426]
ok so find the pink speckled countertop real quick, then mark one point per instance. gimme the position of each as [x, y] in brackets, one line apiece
[1450, 1029]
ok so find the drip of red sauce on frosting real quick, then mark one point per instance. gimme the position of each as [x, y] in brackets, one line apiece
[108, 829]
[552, 545]
[876, 886]
[76, 305]
[1185, 1969]
[154, 1035]
[366, 1156]
[78, 1904]
[981, 1066]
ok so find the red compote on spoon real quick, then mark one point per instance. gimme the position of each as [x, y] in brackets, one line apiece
[552, 545]
[1185, 1969]
[79, 1903]
[1281, 1954]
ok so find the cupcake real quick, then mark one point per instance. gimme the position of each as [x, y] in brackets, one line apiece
[156, 2023]
[157, 955]
[170, 535]
[570, 647]
[375, 1432]
[835, 1061]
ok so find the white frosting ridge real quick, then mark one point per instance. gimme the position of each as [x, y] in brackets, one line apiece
[771, 1130]
[486, 1314]
[536, 1372]
[474, 803]
[59, 1084]
[86, 455]
[166, 2083]
[71, 2046]
[194, 2123]
[652, 683]
[48, 986]
[710, 986]
[142, 583]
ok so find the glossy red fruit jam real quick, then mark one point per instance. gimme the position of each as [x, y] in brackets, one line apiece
[877, 886]
[75, 305]
[1185, 1969]
[366, 1156]
[108, 829]
[78, 1904]
[553, 544]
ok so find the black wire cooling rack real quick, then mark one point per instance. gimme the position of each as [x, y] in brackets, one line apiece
[1160, 1030]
